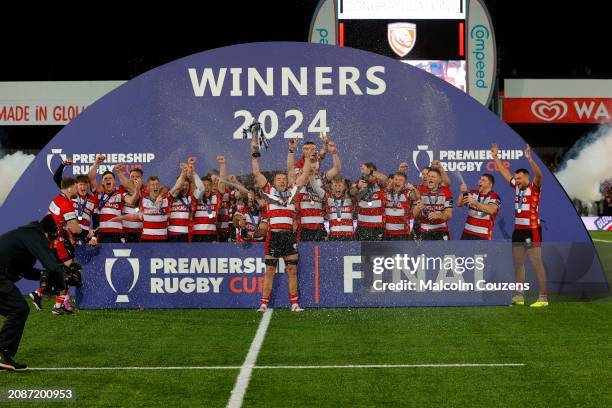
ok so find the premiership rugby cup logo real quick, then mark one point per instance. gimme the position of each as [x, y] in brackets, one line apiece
[53, 153]
[549, 111]
[401, 37]
[415, 156]
[108, 269]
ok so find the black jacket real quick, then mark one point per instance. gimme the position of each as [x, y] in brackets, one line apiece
[19, 250]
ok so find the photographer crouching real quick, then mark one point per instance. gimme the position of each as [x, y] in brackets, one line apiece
[19, 250]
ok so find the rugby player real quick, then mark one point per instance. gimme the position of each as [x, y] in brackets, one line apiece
[527, 235]
[435, 208]
[482, 204]
[281, 239]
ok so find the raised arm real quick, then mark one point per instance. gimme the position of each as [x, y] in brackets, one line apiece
[222, 174]
[336, 162]
[260, 179]
[302, 179]
[537, 172]
[323, 152]
[500, 166]
[237, 185]
[443, 174]
[291, 161]
[382, 178]
[125, 182]
[463, 189]
[194, 186]
[93, 170]
[199, 185]
[174, 191]
[59, 173]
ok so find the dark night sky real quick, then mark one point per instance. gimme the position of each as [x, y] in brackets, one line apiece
[532, 39]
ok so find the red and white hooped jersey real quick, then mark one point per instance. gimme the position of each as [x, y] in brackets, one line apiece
[61, 209]
[340, 215]
[397, 213]
[371, 209]
[84, 207]
[526, 206]
[225, 211]
[434, 201]
[154, 218]
[110, 206]
[241, 206]
[299, 165]
[206, 215]
[133, 227]
[181, 211]
[252, 225]
[253, 218]
[310, 212]
[280, 216]
[479, 223]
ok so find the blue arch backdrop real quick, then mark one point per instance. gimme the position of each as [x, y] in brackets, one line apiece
[159, 120]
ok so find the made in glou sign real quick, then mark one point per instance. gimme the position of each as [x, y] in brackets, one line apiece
[373, 108]
[59, 114]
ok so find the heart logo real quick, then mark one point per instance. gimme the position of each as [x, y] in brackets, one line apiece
[549, 110]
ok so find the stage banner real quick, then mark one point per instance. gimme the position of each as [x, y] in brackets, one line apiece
[330, 275]
[376, 109]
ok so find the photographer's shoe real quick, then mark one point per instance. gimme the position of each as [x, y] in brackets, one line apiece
[6, 362]
[20, 366]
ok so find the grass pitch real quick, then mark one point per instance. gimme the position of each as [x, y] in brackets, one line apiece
[565, 348]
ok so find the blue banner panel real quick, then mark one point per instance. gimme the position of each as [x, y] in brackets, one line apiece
[330, 275]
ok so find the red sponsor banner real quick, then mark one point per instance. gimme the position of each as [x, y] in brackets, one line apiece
[557, 110]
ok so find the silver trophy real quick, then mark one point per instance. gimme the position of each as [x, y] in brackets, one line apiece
[257, 134]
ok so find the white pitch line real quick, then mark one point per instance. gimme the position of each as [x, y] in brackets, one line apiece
[602, 240]
[397, 366]
[133, 368]
[288, 367]
[242, 382]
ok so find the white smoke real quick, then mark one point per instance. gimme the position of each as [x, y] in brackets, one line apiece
[589, 164]
[12, 167]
